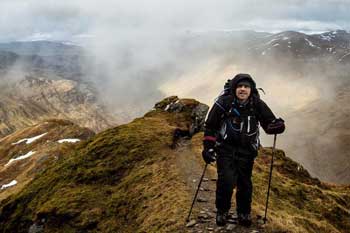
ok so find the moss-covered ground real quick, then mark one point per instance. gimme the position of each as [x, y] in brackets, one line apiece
[121, 180]
[46, 151]
[126, 179]
[298, 203]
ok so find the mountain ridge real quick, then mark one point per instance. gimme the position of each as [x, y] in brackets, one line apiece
[128, 179]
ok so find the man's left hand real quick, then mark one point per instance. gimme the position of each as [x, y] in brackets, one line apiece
[277, 126]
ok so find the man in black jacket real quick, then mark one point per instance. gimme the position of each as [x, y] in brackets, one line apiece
[232, 133]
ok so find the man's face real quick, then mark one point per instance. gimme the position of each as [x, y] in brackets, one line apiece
[243, 92]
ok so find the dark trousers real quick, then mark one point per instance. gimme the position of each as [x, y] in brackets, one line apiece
[234, 171]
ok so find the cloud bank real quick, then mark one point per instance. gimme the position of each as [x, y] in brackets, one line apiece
[68, 20]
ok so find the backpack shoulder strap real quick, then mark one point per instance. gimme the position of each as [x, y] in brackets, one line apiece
[227, 104]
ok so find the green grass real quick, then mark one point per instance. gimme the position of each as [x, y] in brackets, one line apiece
[125, 179]
[121, 180]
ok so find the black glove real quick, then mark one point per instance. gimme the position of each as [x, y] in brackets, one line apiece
[276, 126]
[208, 152]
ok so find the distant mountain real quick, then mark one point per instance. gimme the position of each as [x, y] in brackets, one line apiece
[252, 47]
[141, 177]
[31, 100]
[333, 45]
[42, 79]
[7, 59]
[44, 58]
[42, 48]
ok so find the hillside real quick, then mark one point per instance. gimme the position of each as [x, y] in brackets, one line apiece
[32, 100]
[26, 152]
[322, 129]
[138, 178]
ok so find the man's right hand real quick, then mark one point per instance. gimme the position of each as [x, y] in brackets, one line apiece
[208, 152]
[209, 155]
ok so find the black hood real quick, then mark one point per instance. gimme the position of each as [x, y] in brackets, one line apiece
[240, 77]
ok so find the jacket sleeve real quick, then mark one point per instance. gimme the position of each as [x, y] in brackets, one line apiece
[265, 115]
[213, 121]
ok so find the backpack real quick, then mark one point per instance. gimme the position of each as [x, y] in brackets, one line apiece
[239, 129]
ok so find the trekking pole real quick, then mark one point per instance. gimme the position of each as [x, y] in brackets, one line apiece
[268, 189]
[195, 196]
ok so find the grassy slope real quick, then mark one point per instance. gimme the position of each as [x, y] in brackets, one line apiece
[122, 180]
[47, 151]
[298, 202]
[125, 179]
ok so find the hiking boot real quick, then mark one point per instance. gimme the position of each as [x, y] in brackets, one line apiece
[244, 220]
[221, 218]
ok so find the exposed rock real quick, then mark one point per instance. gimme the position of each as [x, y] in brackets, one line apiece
[233, 215]
[198, 115]
[203, 216]
[211, 215]
[191, 223]
[233, 221]
[202, 199]
[198, 111]
[36, 228]
[260, 221]
[230, 227]
[204, 220]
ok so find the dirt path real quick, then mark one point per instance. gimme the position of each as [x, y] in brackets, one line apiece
[204, 211]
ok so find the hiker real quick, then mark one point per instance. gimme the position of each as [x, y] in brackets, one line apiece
[231, 138]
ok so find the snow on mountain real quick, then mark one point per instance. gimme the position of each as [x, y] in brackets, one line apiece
[71, 140]
[22, 161]
[29, 140]
[310, 43]
[30, 153]
[12, 183]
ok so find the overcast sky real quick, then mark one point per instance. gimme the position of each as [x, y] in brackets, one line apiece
[135, 42]
[78, 19]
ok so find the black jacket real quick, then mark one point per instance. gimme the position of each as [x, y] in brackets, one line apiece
[222, 109]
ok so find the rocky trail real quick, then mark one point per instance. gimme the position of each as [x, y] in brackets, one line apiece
[203, 214]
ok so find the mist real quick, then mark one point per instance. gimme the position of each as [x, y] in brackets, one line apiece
[138, 47]
[140, 52]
